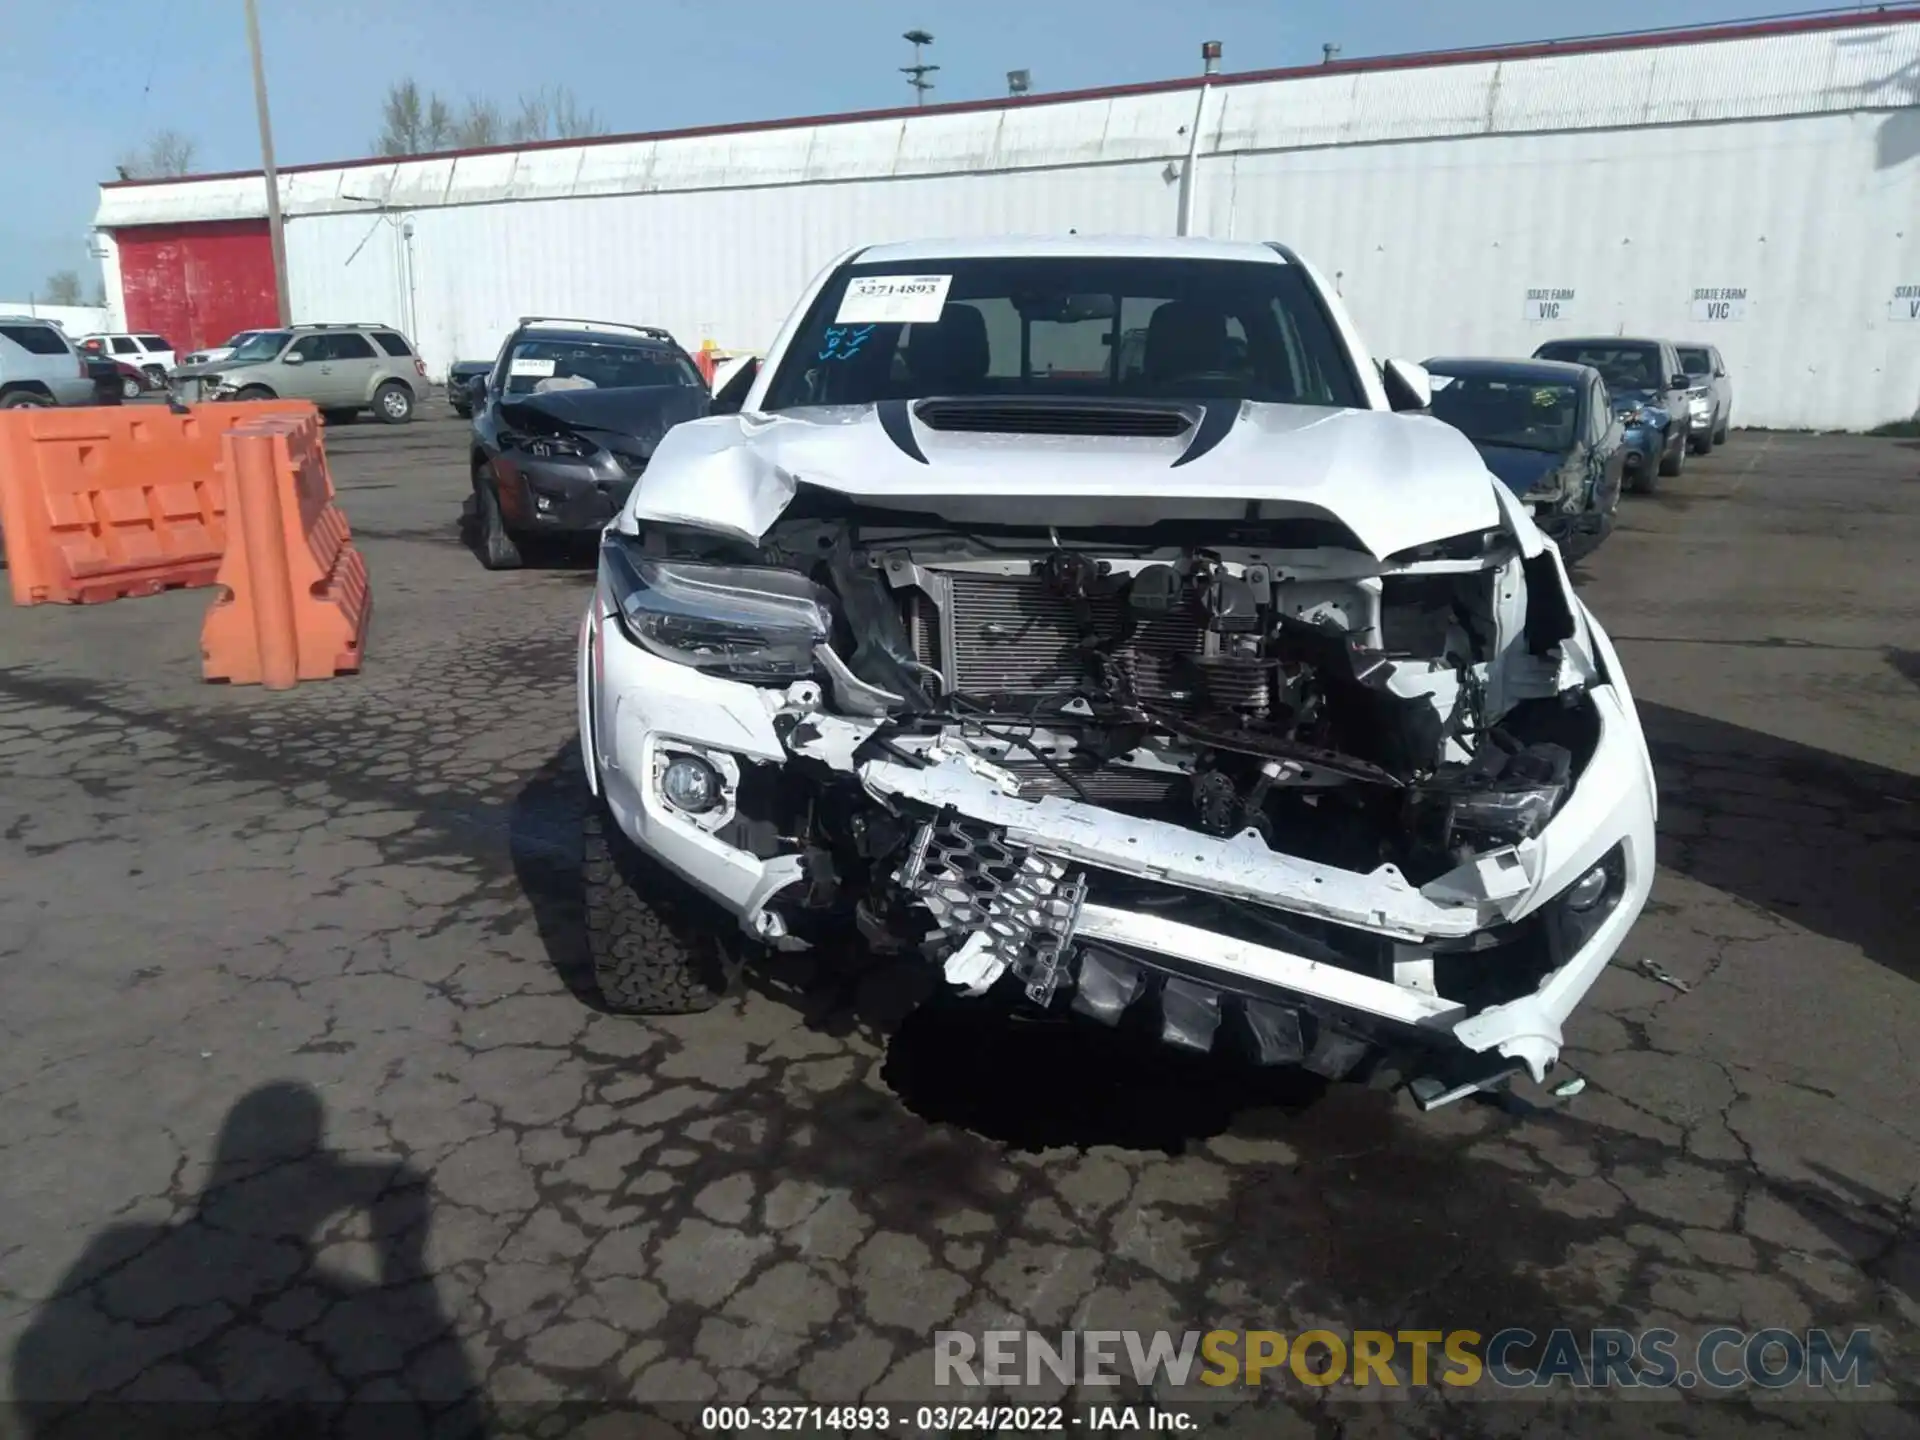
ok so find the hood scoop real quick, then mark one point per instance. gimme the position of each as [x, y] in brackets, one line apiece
[1023, 415]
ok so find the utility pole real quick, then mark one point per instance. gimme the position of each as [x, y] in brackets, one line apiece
[917, 72]
[276, 230]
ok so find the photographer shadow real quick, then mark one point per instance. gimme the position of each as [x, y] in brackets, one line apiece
[237, 1317]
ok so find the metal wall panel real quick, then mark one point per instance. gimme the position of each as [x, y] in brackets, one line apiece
[1822, 72]
[198, 284]
[723, 265]
[1434, 246]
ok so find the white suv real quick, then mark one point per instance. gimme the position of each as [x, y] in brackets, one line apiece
[38, 365]
[151, 354]
[1182, 681]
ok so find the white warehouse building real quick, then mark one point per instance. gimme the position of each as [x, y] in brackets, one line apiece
[1753, 186]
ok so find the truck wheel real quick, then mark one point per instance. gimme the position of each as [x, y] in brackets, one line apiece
[256, 392]
[1700, 444]
[24, 399]
[1720, 435]
[655, 950]
[497, 548]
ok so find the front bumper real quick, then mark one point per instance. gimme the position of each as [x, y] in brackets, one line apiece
[635, 707]
[563, 496]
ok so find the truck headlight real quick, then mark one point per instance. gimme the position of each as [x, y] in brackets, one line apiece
[745, 622]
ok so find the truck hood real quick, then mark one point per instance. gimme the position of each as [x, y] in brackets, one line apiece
[1395, 481]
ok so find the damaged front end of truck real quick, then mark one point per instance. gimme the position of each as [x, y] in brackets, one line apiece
[1233, 777]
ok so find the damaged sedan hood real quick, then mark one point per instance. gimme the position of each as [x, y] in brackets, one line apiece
[1394, 481]
[1521, 470]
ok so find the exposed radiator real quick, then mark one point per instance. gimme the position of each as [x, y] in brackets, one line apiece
[1010, 635]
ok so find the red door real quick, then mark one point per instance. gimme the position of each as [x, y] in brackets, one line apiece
[196, 284]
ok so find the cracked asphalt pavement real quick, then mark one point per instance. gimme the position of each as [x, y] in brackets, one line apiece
[304, 1093]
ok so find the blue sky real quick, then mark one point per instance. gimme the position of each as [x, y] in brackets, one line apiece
[83, 81]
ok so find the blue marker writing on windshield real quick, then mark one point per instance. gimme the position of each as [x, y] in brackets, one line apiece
[844, 343]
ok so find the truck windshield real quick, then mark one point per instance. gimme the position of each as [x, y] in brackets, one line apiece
[1137, 328]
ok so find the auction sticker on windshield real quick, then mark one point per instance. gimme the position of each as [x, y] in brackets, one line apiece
[527, 365]
[893, 300]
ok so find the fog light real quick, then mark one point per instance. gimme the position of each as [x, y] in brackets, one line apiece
[690, 784]
[543, 503]
[1585, 892]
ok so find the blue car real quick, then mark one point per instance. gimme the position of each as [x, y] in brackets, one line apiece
[1548, 431]
[1649, 388]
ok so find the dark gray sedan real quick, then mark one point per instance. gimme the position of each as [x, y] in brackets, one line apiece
[1548, 431]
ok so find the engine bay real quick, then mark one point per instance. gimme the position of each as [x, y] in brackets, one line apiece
[1263, 685]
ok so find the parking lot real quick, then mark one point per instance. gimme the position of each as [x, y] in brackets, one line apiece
[306, 1092]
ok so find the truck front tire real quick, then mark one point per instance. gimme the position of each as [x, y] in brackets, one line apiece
[657, 949]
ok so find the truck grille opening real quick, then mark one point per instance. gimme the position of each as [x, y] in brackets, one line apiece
[1053, 418]
[1115, 785]
[1011, 636]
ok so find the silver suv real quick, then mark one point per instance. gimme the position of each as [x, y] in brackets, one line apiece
[38, 365]
[340, 368]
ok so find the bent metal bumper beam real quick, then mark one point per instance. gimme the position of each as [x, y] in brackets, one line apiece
[1264, 963]
[1382, 902]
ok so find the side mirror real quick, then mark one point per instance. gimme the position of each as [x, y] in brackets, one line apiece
[1408, 385]
[1680, 382]
[730, 386]
[293, 357]
[477, 389]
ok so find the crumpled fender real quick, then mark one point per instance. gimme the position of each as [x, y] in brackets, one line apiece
[709, 473]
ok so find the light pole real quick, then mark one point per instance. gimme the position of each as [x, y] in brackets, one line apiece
[917, 72]
[276, 230]
[1189, 177]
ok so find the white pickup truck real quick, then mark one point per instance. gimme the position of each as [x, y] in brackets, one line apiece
[1098, 618]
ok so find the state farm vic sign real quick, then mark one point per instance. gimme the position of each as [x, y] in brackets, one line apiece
[1549, 302]
[1727, 302]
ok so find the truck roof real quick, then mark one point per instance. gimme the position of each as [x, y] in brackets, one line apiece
[1161, 247]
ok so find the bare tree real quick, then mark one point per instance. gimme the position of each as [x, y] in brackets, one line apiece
[553, 114]
[479, 125]
[418, 122]
[413, 123]
[166, 153]
[62, 288]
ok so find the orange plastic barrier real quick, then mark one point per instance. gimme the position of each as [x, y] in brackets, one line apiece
[295, 601]
[100, 502]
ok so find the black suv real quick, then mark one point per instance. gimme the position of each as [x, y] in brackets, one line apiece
[565, 422]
